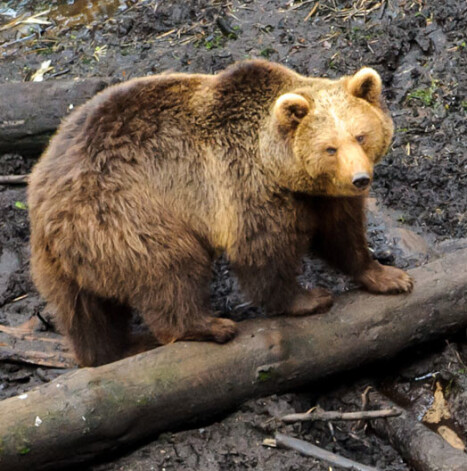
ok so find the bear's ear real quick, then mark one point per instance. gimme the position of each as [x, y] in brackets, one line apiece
[366, 84]
[290, 109]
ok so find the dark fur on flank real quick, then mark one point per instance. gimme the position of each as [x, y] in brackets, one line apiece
[146, 183]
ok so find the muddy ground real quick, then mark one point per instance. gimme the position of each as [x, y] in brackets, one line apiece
[417, 209]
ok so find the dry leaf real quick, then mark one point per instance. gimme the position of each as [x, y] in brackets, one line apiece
[38, 75]
[439, 409]
[271, 442]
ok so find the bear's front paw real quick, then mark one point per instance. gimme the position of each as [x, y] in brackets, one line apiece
[314, 301]
[386, 280]
[222, 330]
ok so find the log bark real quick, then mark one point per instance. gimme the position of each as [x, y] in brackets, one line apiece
[95, 410]
[32, 111]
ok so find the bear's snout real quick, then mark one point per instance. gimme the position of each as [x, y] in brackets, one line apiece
[361, 180]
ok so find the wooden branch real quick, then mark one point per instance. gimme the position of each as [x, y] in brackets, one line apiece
[32, 111]
[308, 449]
[13, 179]
[24, 344]
[39, 358]
[95, 410]
[424, 449]
[325, 415]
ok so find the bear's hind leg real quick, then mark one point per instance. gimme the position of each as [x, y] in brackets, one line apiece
[271, 282]
[99, 329]
[176, 306]
[178, 309]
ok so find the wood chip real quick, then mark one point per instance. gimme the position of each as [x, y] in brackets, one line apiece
[451, 437]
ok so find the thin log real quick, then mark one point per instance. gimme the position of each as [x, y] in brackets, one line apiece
[38, 358]
[308, 449]
[13, 179]
[25, 344]
[95, 410]
[32, 111]
[328, 415]
[422, 448]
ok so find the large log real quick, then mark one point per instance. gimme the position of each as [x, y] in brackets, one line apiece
[95, 410]
[32, 111]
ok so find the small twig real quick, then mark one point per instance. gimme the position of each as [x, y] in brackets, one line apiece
[314, 451]
[44, 320]
[59, 73]
[319, 414]
[300, 5]
[331, 431]
[361, 423]
[312, 11]
[20, 40]
[13, 179]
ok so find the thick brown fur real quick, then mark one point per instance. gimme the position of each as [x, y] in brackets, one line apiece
[143, 185]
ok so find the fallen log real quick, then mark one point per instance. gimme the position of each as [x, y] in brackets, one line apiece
[424, 449]
[95, 410]
[32, 111]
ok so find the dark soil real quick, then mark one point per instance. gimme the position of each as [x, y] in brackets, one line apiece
[418, 208]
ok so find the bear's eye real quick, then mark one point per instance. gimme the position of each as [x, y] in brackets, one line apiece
[361, 138]
[331, 150]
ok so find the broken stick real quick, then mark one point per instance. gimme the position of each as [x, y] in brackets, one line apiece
[324, 415]
[308, 449]
[13, 179]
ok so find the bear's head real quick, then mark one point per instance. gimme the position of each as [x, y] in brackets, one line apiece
[324, 139]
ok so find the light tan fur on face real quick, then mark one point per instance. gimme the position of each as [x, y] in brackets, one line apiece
[345, 133]
[341, 134]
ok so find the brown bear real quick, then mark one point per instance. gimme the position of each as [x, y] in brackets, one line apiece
[147, 182]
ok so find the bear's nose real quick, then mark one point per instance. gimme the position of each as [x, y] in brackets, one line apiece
[361, 180]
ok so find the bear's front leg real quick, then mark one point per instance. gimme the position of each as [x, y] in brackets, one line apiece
[340, 238]
[269, 277]
[278, 292]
